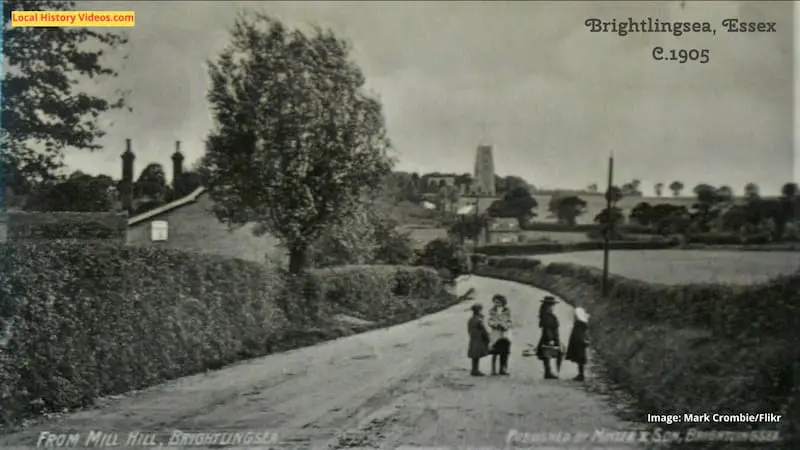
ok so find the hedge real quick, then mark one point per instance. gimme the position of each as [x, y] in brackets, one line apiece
[66, 225]
[702, 347]
[584, 228]
[378, 293]
[727, 239]
[559, 247]
[79, 320]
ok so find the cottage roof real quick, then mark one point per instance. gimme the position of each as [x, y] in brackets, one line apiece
[171, 206]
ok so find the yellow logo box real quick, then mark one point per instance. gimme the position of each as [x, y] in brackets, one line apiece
[73, 18]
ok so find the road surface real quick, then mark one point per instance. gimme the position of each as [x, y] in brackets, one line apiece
[404, 385]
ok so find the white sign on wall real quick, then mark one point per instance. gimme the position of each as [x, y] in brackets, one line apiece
[159, 230]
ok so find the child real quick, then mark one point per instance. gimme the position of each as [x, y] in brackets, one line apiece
[499, 325]
[549, 343]
[478, 339]
[579, 341]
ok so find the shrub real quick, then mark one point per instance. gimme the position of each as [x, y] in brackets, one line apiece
[377, 293]
[443, 253]
[585, 228]
[714, 239]
[478, 260]
[557, 247]
[66, 225]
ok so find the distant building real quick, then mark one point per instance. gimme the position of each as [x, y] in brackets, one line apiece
[484, 180]
[504, 230]
[440, 181]
[188, 223]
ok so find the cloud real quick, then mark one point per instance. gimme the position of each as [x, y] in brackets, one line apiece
[552, 97]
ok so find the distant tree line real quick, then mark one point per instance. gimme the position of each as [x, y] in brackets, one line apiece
[716, 210]
[82, 192]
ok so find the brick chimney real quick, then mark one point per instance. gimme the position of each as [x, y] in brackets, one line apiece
[126, 186]
[177, 168]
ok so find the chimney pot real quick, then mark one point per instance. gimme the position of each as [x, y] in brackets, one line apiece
[177, 169]
[126, 186]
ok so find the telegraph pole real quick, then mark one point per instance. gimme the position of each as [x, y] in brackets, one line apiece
[608, 226]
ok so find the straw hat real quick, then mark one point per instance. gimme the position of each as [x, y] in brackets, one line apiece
[581, 315]
[549, 299]
[477, 307]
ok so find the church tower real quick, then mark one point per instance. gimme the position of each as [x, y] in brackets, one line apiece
[484, 171]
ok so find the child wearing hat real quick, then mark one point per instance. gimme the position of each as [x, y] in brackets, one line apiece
[478, 339]
[549, 346]
[579, 341]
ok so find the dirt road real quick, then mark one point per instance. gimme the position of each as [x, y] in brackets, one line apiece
[405, 385]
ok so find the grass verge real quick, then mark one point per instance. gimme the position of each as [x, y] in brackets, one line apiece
[688, 349]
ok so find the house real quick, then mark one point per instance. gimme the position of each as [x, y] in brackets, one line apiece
[189, 224]
[439, 181]
[504, 230]
[467, 203]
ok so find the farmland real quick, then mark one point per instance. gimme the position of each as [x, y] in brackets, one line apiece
[688, 266]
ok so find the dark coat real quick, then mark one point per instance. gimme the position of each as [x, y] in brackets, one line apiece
[478, 338]
[578, 343]
[548, 322]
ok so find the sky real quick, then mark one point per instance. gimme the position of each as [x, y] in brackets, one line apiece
[529, 78]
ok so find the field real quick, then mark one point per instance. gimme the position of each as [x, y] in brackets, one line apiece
[688, 266]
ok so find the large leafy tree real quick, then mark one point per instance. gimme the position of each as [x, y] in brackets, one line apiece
[44, 113]
[517, 203]
[297, 145]
[567, 209]
[152, 182]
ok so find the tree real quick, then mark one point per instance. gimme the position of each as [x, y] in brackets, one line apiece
[789, 190]
[187, 183]
[79, 192]
[703, 189]
[676, 187]
[614, 194]
[392, 246]
[469, 227]
[444, 254]
[567, 209]
[790, 200]
[152, 182]
[725, 194]
[512, 182]
[592, 187]
[751, 191]
[642, 214]
[707, 206]
[659, 188]
[352, 241]
[297, 147]
[517, 203]
[43, 113]
[614, 218]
